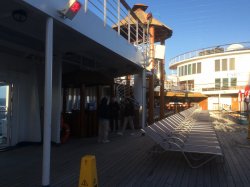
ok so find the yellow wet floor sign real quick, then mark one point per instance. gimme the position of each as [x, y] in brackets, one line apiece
[88, 173]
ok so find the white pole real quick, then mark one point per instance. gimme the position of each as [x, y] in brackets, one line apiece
[137, 31]
[86, 6]
[219, 108]
[105, 12]
[129, 26]
[60, 98]
[47, 103]
[119, 16]
[144, 107]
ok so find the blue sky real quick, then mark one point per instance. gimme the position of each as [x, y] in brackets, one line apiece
[199, 24]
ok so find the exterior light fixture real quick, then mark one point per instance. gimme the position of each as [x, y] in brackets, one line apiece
[71, 9]
[19, 15]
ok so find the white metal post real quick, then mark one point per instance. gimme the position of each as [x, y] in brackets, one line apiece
[219, 108]
[105, 12]
[143, 36]
[86, 6]
[56, 99]
[137, 31]
[129, 26]
[118, 16]
[47, 103]
[144, 107]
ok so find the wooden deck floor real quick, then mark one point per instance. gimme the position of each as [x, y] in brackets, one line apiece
[125, 162]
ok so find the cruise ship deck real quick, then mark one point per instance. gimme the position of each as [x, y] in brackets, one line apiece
[126, 161]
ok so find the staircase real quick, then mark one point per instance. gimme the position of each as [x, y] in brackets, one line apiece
[124, 91]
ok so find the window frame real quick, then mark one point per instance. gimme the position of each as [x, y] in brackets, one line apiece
[224, 64]
[232, 64]
[189, 69]
[217, 65]
[217, 83]
[225, 84]
[194, 68]
[198, 67]
[185, 70]
[231, 81]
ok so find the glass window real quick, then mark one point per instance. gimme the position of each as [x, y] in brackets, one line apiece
[217, 65]
[185, 70]
[232, 64]
[233, 81]
[198, 67]
[224, 65]
[194, 68]
[217, 84]
[72, 99]
[182, 71]
[225, 82]
[189, 69]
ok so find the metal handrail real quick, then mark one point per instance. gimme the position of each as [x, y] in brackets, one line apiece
[112, 12]
[207, 87]
[209, 51]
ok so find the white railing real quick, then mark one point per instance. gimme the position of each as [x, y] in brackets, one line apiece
[118, 15]
[210, 51]
[206, 87]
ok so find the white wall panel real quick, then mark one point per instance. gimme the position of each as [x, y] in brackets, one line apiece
[25, 121]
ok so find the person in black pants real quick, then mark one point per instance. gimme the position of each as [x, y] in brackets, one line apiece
[114, 114]
[129, 113]
[104, 116]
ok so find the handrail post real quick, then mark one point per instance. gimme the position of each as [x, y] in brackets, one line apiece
[137, 27]
[105, 12]
[129, 26]
[118, 16]
[86, 6]
[143, 35]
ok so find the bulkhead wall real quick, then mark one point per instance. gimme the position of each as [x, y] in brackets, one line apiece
[25, 123]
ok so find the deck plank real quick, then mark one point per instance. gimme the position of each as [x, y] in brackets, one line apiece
[126, 161]
[234, 164]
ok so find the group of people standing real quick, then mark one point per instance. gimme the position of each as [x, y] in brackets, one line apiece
[111, 113]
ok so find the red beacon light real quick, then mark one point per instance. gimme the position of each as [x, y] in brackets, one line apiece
[71, 10]
[75, 7]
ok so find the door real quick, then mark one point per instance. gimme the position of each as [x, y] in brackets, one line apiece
[213, 103]
[5, 113]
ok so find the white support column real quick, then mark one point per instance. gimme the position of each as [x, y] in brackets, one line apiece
[129, 26]
[47, 103]
[143, 35]
[144, 107]
[119, 16]
[105, 12]
[219, 108]
[137, 31]
[56, 100]
[139, 93]
[86, 6]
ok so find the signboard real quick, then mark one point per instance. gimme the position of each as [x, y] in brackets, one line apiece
[160, 51]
